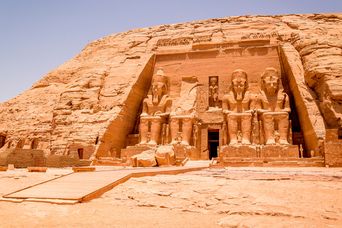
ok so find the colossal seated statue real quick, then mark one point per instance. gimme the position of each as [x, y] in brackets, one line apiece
[183, 114]
[156, 109]
[275, 108]
[181, 127]
[236, 106]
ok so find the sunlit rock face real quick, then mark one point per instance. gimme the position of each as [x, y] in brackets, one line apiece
[92, 105]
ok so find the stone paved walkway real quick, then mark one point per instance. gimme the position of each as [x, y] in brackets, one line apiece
[84, 186]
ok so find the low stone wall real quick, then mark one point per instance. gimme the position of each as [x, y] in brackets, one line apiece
[61, 161]
[264, 151]
[22, 158]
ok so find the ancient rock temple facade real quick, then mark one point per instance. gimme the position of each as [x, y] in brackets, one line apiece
[250, 86]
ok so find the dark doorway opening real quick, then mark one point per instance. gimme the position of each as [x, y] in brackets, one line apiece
[34, 144]
[213, 143]
[80, 153]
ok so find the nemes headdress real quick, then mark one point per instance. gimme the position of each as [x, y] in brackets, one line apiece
[240, 72]
[270, 71]
[160, 76]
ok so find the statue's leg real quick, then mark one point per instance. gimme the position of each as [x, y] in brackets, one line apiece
[269, 128]
[186, 131]
[246, 128]
[155, 131]
[143, 130]
[283, 127]
[174, 125]
[232, 129]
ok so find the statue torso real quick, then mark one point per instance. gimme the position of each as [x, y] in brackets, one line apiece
[274, 103]
[157, 108]
[235, 105]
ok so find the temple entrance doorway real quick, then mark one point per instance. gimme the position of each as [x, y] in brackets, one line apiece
[213, 143]
[80, 153]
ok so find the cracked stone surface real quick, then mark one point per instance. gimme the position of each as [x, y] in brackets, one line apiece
[231, 197]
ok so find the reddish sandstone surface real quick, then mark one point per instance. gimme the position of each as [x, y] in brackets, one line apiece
[231, 197]
[92, 100]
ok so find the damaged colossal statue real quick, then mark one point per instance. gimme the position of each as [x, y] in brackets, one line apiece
[181, 127]
[183, 115]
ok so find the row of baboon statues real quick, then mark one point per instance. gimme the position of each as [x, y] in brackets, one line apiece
[248, 116]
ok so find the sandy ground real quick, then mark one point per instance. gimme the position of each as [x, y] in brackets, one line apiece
[231, 197]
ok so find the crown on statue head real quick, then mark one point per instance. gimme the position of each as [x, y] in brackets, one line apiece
[270, 71]
[160, 76]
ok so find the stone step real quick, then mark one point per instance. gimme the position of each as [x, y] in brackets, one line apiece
[109, 161]
[83, 169]
[3, 168]
[37, 169]
[84, 162]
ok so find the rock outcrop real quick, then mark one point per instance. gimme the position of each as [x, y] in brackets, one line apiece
[91, 102]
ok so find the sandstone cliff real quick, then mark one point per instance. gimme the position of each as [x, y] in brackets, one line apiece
[91, 101]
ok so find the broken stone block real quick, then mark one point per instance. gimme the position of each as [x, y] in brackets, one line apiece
[144, 159]
[165, 155]
[37, 169]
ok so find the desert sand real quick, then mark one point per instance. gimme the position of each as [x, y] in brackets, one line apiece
[228, 197]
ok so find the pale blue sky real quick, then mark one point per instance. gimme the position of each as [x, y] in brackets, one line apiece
[39, 35]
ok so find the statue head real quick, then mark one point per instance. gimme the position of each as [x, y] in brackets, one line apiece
[213, 81]
[239, 83]
[270, 81]
[159, 86]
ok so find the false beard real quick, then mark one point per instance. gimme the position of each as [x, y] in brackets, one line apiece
[239, 96]
[155, 99]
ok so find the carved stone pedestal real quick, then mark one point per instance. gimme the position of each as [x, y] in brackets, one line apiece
[283, 151]
[238, 151]
[259, 151]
